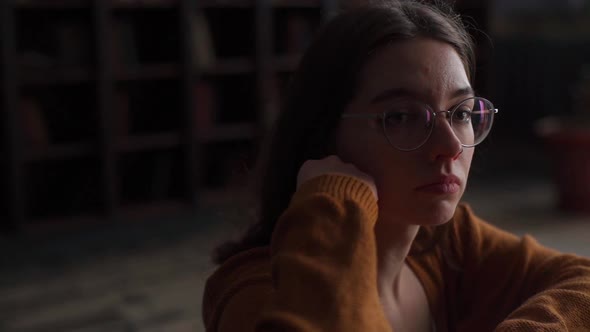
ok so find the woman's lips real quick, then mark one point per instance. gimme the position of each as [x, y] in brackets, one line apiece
[445, 185]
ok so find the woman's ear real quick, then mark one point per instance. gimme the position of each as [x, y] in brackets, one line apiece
[331, 147]
[338, 145]
[322, 143]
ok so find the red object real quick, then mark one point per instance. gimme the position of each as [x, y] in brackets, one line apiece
[570, 154]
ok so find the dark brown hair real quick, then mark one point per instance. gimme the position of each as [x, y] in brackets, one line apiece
[324, 83]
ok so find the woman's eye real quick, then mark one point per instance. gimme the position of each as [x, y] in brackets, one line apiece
[463, 115]
[397, 117]
[403, 117]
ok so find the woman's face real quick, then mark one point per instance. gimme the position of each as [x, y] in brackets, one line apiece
[423, 186]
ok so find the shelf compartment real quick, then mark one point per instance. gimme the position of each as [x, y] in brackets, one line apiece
[50, 76]
[282, 81]
[241, 108]
[286, 63]
[151, 176]
[148, 107]
[148, 142]
[60, 114]
[62, 151]
[52, 4]
[295, 28]
[229, 66]
[143, 4]
[296, 3]
[237, 41]
[137, 41]
[54, 39]
[227, 4]
[149, 72]
[232, 132]
[6, 204]
[60, 188]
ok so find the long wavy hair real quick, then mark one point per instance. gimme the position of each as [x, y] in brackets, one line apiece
[324, 83]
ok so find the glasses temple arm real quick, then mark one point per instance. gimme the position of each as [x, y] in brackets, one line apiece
[495, 111]
[361, 115]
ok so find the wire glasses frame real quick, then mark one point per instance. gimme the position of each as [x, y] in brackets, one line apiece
[488, 111]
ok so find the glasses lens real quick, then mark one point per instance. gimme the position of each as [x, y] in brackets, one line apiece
[472, 120]
[408, 125]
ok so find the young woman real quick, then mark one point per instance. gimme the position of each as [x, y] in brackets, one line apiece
[360, 226]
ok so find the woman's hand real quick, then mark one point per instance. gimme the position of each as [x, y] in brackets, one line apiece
[333, 165]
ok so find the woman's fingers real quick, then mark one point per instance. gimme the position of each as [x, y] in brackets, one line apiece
[332, 165]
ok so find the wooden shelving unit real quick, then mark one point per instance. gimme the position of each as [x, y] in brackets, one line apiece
[126, 109]
[114, 110]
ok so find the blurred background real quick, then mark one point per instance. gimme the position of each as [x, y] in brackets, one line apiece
[128, 128]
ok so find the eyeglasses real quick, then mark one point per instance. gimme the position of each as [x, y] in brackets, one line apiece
[408, 125]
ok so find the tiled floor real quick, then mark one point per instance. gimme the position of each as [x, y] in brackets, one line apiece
[149, 278]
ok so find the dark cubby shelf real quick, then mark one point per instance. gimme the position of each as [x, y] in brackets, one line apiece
[237, 40]
[145, 107]
[139, 5]
[137, 106]
[77, 181]
[54, 40]
[53, 4]
[149, 72]
[286, 63]
[141, 41]
[55, 76]
[151, 175]
[148, 142]
[60, 152]
[296, 3]
[231, 132]
[294, 28]
[57, 114]
[242, 106]
[230, 66]
[227, 3]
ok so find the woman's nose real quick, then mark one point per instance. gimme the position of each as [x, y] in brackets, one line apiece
[444, 142]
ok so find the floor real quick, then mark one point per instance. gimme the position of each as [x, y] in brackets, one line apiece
[149, 277]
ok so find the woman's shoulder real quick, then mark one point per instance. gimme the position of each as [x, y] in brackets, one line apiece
[248, 268]
[472, 229]
[465, 232]
[465, 216]
[254, 261]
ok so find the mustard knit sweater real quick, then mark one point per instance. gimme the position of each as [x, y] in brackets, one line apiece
[320, 271]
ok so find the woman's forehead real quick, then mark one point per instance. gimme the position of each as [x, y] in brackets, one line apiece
[422, 66]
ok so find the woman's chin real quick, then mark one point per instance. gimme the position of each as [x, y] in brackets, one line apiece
[436, 214]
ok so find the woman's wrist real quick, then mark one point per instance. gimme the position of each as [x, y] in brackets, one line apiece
[332, 165]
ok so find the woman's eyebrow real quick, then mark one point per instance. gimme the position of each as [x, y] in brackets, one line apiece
[396, 93]
[463, 92]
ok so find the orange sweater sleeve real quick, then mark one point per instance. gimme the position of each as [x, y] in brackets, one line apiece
[517, 282]
[323, 266]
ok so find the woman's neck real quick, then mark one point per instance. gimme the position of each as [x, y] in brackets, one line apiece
[394, 241]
